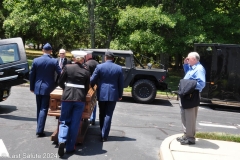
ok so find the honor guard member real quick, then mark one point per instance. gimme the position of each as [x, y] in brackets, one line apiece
[91, 64]
[42, 83]
[109, 78]
[74, 81]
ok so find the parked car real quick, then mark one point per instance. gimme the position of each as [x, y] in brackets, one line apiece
[145, 81]
[14, 69]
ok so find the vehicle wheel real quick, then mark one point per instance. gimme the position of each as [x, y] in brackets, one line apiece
[144, 91]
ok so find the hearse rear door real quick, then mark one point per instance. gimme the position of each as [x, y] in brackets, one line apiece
[14, 68]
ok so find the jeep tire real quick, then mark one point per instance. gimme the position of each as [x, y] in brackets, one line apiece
[144, 91]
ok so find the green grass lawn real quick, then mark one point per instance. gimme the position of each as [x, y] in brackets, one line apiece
[219, 136]
[31, 54]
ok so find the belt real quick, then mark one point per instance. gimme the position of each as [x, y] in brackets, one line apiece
[74, 85]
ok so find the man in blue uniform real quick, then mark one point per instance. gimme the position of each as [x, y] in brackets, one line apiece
[109, 79]
[42, 83]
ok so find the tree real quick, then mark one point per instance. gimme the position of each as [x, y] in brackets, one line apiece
[144, 30]
[151, 28]
[48, 21]
[208, 22]
[3, 15]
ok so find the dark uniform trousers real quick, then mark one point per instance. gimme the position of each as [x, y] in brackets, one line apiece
[75, 89]
[106, 109]
[42, 109]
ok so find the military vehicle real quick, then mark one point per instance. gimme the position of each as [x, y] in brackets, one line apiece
[144, 81]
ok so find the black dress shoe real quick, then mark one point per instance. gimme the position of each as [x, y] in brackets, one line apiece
[61, 149]
[187, 142]
[41, 134]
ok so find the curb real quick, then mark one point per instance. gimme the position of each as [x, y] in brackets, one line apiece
[165, 151]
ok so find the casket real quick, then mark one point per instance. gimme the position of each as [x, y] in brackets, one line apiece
[55, 110]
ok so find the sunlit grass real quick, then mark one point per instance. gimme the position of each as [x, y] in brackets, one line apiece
[129, 89]
[37, 53]
[30, 62]
[219, 136]
[171, 80]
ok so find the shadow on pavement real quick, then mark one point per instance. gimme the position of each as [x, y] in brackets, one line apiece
[96, 148]
[92, 144]
[4, 109]
[162, 102]
[18, 118]
[206, 144]
[224, 108]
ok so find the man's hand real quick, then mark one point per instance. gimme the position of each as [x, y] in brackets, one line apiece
[120, 98]
[32, 91]
[186, 60]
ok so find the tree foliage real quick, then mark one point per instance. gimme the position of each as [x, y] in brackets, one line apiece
[143, 30]
[150, 28]
[48, 21]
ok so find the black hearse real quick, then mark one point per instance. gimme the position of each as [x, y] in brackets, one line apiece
[222, 64]
[14, 68]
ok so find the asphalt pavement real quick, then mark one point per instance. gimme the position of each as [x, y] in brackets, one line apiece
[136, 133]
[139, 131]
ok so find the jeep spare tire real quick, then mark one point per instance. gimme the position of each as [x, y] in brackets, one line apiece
[144, 91]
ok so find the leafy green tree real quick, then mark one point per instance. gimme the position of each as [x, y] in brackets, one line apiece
[144, 30]
[205, 22]
[3, 15]
[152, 28]
[61, 23]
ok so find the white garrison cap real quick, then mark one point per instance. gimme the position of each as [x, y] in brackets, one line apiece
[88, 52]
[79, 53]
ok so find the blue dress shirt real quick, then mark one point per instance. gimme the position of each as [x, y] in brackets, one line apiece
[195, 72]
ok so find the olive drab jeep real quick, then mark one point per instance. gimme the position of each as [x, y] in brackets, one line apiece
[144, 81]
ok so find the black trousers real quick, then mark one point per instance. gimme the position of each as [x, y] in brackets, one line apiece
[42, 110]
[106, 109]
